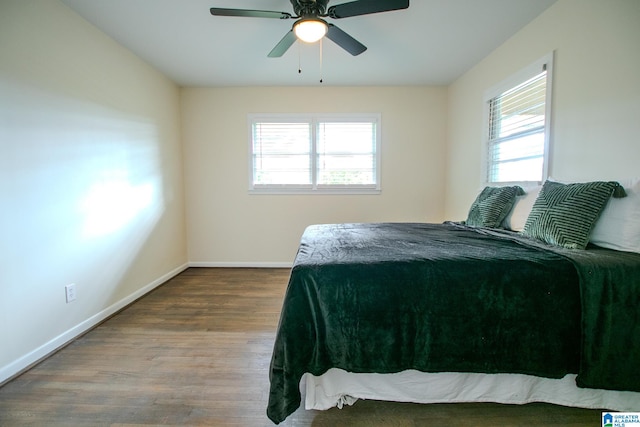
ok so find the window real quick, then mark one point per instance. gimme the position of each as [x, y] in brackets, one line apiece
[517, 116]
[314, 153]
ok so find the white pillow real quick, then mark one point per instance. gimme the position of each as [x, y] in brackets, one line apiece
[518, 216]
[619, 224]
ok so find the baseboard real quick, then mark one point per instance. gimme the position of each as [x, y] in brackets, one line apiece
[240, 264]
[30, 359]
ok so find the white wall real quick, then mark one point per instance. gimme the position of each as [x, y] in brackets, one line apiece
[91, 187]
[227, 226]
[596, 105]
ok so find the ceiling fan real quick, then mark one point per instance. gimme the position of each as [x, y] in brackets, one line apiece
[309, 25]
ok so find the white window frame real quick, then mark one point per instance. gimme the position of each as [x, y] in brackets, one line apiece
[546, 62]
[314, 187]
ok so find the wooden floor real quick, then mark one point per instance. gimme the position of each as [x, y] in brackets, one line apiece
[196, 351]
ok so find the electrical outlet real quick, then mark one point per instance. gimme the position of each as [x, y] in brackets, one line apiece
[70, 292]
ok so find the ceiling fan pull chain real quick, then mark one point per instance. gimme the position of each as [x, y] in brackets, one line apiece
[299, 60]
[321, 60]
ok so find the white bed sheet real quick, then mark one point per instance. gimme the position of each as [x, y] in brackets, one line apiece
[337, 387]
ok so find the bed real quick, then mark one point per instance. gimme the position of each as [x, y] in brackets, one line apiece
[467, 306]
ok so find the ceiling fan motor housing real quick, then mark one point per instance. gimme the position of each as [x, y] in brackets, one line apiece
[309, 8]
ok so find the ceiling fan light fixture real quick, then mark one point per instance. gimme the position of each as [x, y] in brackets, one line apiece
[310, 30]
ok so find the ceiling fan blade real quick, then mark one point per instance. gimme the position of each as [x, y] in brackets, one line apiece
[283, 45]
[345, 41]
[365, 7]
[219, 11]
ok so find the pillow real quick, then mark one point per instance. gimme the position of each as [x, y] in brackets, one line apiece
[564, 214]
[492, 205]
[619, 225]
[517, 218]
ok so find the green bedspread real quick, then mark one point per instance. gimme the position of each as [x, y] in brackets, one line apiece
[610, 287]
[447, 298]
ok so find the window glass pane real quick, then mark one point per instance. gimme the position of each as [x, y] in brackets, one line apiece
[282, 169]
[524, 147]
[346, 169]
[281, 154]
[346, 153]
[520, 170]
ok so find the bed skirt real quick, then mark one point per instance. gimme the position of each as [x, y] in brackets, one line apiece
[337, 387]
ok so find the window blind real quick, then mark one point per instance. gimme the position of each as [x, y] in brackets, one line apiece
[281, 153]
[516, 140]
[346, 153]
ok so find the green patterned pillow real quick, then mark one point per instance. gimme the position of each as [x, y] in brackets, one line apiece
[492, 206]
[564, 214]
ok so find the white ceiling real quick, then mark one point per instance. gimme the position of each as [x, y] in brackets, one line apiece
[431, 43]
